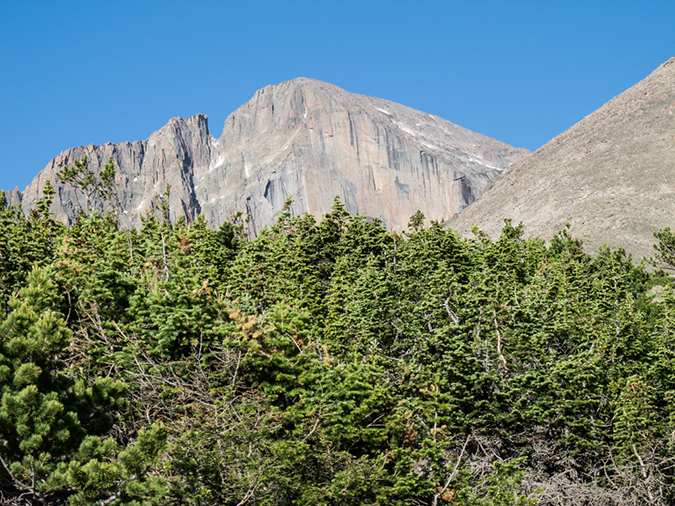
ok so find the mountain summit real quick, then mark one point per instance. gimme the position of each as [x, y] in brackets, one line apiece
[611, 176]
[303, 139]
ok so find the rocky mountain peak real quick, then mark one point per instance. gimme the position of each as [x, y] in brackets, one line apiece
[611, 176]
[304, 139]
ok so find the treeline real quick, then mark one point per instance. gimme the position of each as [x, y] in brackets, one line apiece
[328, 363]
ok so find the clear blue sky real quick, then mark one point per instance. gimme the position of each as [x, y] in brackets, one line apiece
[81, 72]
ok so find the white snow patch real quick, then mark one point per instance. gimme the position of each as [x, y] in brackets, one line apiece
[480, 162]
[406, 129]
[384, 111]
[214, 141]
[217, 163]
[213, 199]
[135, 179]
[305, 112]
[140, 205]
[246, 171]
[286, 147]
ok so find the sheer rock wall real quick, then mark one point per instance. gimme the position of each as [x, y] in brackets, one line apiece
[304, 139]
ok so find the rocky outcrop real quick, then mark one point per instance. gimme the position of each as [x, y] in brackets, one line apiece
[303, 139]
[144, 169]
[611, 176]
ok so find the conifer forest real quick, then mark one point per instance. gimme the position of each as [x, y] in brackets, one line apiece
[329, 361]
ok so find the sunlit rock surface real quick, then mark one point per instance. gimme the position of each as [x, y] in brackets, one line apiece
[303, 139]
[611, 176]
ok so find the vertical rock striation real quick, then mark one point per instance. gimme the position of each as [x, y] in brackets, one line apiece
[144, 168]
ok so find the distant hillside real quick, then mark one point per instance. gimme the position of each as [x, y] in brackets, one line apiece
[611, 176]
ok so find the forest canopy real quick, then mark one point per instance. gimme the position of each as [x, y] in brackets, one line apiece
[329, 362]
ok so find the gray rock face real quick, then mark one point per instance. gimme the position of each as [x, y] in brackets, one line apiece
[303, 139]
[611, 176]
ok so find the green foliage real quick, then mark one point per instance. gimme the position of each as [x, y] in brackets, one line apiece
[102, 473]
[326, 362]
[46, 414]
[665, 248]
[25, 243]
[503, 488]
[93, 185]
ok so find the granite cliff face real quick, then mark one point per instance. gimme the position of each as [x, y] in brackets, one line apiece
[611, 176]
[144, 168]
[305, 139]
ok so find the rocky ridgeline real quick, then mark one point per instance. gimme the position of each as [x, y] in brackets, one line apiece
[611, 176]
[304, 139]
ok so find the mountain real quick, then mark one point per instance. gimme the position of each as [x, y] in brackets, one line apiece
[611, 176]
[304, 139]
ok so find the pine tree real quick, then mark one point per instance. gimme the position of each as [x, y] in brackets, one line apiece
[44, 413]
